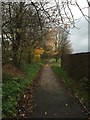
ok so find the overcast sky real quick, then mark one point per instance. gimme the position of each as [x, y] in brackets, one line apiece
[79, 37]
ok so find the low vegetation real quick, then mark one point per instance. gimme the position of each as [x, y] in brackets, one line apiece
[74, 85]
[12, 88]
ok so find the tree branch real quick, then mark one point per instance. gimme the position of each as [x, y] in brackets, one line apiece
[82, 12]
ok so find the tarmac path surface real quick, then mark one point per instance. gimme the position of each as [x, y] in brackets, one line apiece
[53, 100]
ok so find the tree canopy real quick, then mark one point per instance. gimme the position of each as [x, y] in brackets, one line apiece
[31, 25]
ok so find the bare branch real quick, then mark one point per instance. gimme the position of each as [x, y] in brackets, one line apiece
[59, 11]
[82, 12]
[88, 3]
[7, 35]
[37, 14]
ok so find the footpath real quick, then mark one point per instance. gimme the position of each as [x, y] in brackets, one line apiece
[53, 100]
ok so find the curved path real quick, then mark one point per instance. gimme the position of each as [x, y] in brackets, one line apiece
[52, 100]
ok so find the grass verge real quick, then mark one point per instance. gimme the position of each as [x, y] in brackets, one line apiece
[12, 87]
[74, 85]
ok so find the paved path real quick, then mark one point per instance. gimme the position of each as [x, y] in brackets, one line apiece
[53, 100]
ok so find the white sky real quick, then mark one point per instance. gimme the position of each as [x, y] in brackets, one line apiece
[79, 38]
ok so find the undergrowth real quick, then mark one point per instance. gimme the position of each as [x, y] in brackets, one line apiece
[73, 84]
[12, 87]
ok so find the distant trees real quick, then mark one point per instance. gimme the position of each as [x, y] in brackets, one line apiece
[65, 46]
[58, 43]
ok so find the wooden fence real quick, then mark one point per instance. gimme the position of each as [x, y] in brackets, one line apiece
[76, 65]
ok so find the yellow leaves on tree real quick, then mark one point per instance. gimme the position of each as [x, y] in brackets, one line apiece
[37, 53]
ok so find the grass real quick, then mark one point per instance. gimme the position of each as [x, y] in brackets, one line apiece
[13, 87]
[77, 87]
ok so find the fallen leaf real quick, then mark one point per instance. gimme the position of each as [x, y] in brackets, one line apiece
[35, 105]
[27, 97]
[66, 104]
[23, 114]
[19, 110]
[24, 96]
[23, 106]
[45, 113]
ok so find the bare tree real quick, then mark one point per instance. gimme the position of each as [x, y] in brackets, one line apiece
[25, 24]
[21, 28]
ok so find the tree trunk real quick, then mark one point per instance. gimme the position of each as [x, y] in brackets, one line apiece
[19, 62]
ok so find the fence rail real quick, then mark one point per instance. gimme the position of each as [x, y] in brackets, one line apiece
[76, 65]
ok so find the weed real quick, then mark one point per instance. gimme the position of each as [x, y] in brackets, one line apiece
[76, 86]
[12, 87]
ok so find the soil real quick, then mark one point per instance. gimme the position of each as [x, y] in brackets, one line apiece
[12, 70]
